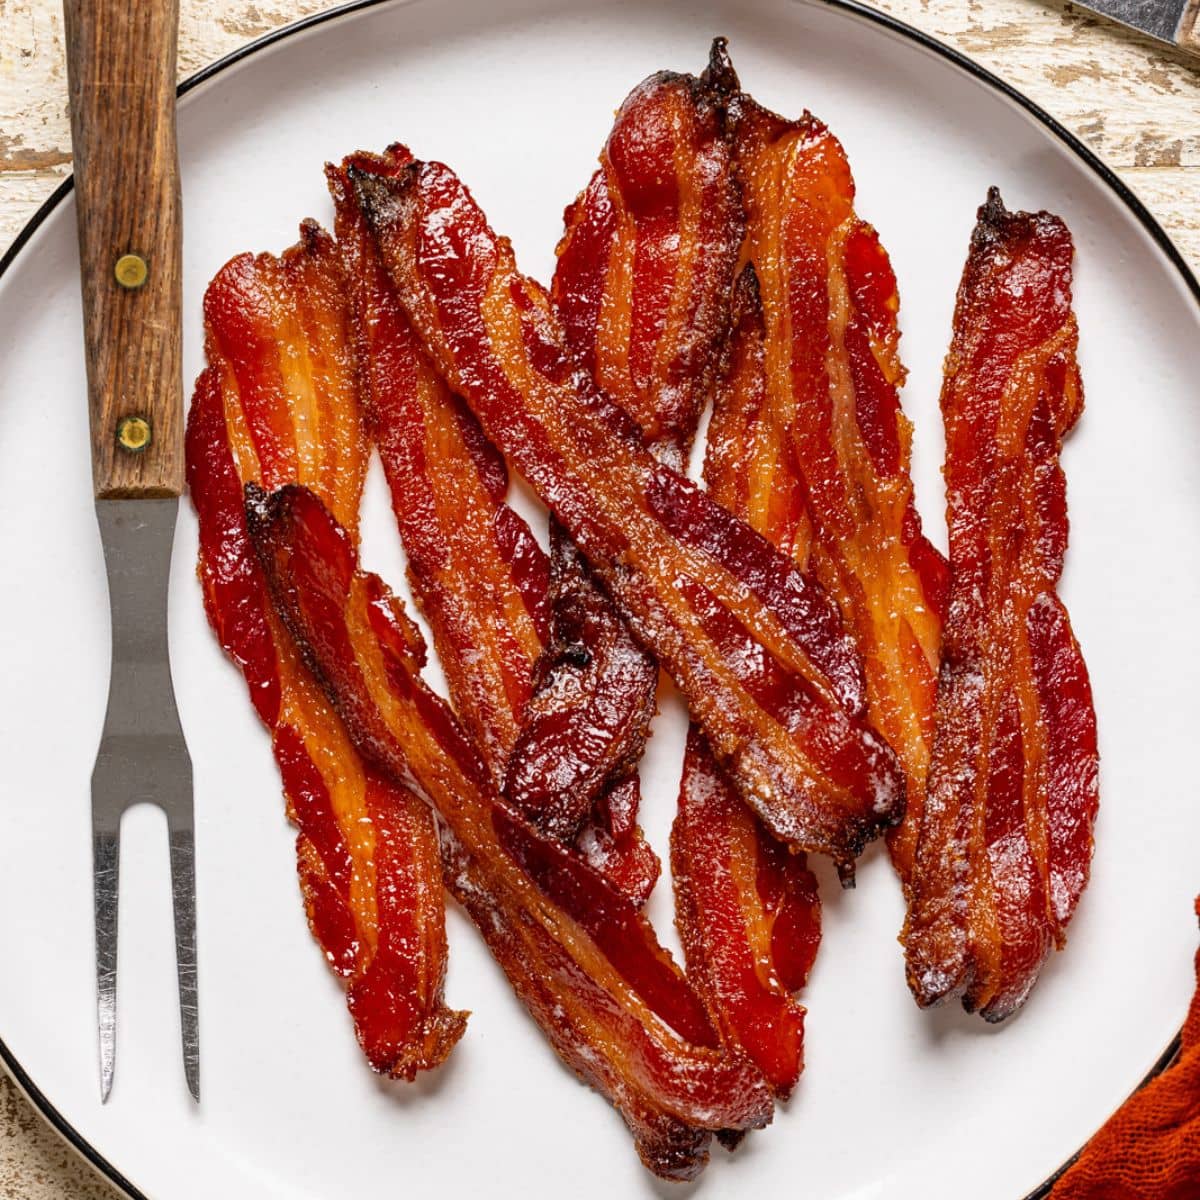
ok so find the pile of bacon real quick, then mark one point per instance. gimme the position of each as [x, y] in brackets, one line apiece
[844, 680]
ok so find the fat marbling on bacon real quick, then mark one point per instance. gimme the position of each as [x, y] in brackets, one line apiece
[1006, 837]
[577, 951]
[278, 404]
[479, 576]
[757, 651]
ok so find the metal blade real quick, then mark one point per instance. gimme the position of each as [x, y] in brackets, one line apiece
[143, 758]
[1158, 18]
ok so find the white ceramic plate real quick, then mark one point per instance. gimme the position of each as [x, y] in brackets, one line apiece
[518, 96]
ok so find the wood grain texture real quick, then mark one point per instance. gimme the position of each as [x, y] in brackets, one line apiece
[1130, 100]
[121, 77]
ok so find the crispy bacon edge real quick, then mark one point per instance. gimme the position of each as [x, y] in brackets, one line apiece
[578, 952]
[829, 301]
[1006, 843]
[479, 575]
[755, 647]
[367, 851]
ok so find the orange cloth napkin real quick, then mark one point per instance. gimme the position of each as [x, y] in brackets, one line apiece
[1150, 1148]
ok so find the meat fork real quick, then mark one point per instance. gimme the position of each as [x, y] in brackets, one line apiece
[121, 58]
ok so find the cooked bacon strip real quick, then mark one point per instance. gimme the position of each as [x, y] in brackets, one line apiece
[579, 954]
[586, 724]
[642, 284]
[277, 404]
[643, 281]
[758, 652]
[476, 570]
[1006, 840]
[748, 911]
[832, 372]
[749, 917]
[646, 263]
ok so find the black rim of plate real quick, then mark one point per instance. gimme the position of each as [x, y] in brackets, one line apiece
[57, 1121]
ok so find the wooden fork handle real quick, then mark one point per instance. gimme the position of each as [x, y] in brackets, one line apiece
[121, 58]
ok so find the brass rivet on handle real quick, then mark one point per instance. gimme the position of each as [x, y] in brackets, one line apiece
[130, 271]
[134, 433]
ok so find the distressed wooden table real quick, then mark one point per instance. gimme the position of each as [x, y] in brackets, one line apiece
[1133, 102]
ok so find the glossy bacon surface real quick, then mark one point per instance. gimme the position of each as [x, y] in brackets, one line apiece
[1006, 841]
[830, 476]
[749, 917]
[278, 403]
[758, 652]
[586, 724]
[748, 912]
[576, 950]
[476, 570]
[646, 263]
[484, 583]
[642, 284]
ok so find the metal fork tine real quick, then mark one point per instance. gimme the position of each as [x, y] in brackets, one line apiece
[143, 758]
[183, 891]
[106, 857]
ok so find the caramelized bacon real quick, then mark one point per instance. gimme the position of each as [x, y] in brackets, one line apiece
[587, 722]
[642, 285]
[278, 404]
[643, 281]
[476, 570]
[1006, 840]
[748, 911]
[576, 950]
[646, 263]
[749, 918]
[843, 503]
[757, 650]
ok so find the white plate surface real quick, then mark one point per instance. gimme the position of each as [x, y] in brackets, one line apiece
[518, 96]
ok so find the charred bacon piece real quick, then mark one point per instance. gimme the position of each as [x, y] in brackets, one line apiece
[831, 371]
[748, 911]
[477, 571]
[756, 649]
[278, 403]
[578, 952]
[1006, 838]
